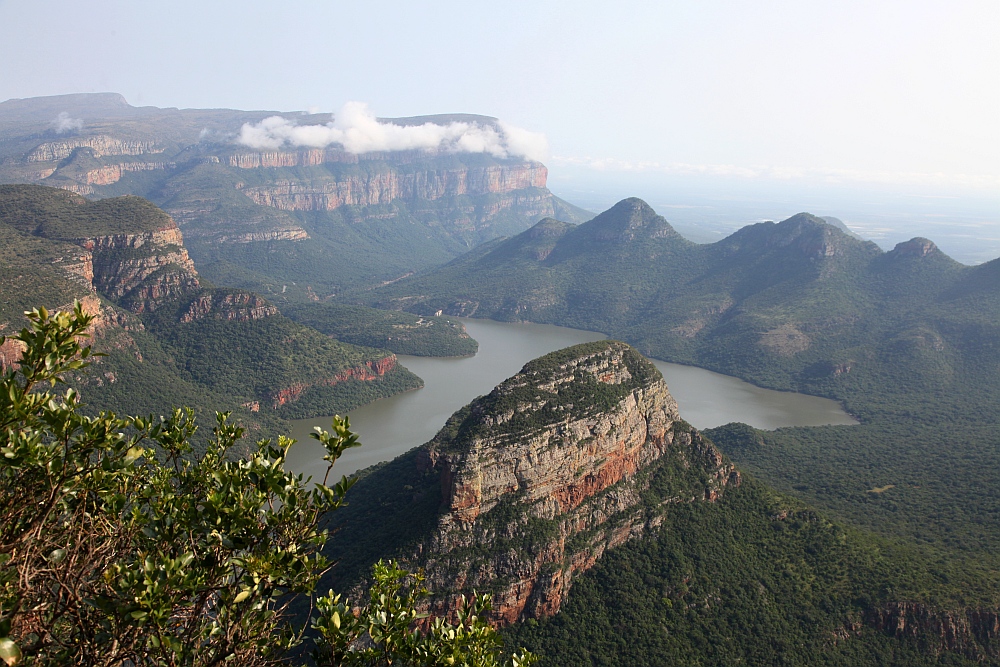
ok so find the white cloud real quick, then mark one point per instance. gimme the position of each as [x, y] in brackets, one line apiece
[358, 130]
[63, 123]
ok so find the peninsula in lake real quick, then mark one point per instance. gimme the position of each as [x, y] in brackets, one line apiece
[278, 281]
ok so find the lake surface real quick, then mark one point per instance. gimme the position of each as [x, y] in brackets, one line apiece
[394, 425]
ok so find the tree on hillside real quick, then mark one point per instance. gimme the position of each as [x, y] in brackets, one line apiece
[120, 545]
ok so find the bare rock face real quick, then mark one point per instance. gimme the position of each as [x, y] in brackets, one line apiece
[113, 173]
[365, 372]
[971, 632]
[915, 247]
[141, 270]
[234, 306]
[101, 145]
[391, 184]
[545, 473]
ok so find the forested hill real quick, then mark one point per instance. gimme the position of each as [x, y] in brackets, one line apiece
[611, 532]
[908, 339]
[171, 340]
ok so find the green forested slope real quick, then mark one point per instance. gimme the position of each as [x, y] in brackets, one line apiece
[59, 214]
[740, 582]
[402, 333]
[755, 577]
[209, 348]
[908, 340]
[258, 359]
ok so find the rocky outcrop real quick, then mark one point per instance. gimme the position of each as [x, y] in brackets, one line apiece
[100, 144]
[974, 633]
[915, 247]
[304, 158]
[389, 185]
[546, 473]
[141, 270]
[369, 370]
[232, 306]
[287, 233]
[77, 188]
[112, 173]
[79, 266]
[138, 271]
[10, 354]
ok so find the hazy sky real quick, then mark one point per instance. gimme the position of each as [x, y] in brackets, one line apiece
[894, 92]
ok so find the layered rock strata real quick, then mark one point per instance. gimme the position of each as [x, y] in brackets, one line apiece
[391, 185]
[100, 144]
[228, 305]
[113, 173]
[141, 270]
[544, 474]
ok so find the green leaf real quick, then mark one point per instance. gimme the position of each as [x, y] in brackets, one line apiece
[133, 454]
[10, 652]
[243, 595]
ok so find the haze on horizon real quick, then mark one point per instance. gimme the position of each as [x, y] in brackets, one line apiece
[804, 105]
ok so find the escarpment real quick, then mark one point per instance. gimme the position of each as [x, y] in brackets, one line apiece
[392, 211]
[169, 339]
[101, 145]
[391, 184]
[551, 469]
[113, 173]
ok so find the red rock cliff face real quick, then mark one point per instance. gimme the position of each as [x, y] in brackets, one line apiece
[370, 370]
[113, 173]
[390, 185]
[556, 468]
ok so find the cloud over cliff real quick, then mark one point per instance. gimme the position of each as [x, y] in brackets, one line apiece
[63, 123]
[358, 130]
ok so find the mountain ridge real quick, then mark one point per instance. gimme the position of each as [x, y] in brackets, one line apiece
[905, 339]
[269, 219]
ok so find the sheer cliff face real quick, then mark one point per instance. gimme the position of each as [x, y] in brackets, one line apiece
[102, 163]
[392, 212]
[142, 270]
[391, 185]
[545, 473]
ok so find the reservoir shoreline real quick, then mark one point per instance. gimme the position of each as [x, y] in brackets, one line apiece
[394, 425]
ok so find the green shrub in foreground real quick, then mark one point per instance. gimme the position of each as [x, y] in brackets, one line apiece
[119, 546]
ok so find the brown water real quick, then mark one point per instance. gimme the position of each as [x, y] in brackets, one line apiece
[394, 425]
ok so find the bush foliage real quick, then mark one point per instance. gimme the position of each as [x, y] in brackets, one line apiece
[118, 545]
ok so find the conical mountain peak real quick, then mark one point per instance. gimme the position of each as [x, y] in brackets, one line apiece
[918, 246]
[805, 219]
[629, 220]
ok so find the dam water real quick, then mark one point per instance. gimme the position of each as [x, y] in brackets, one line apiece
[391, 426]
